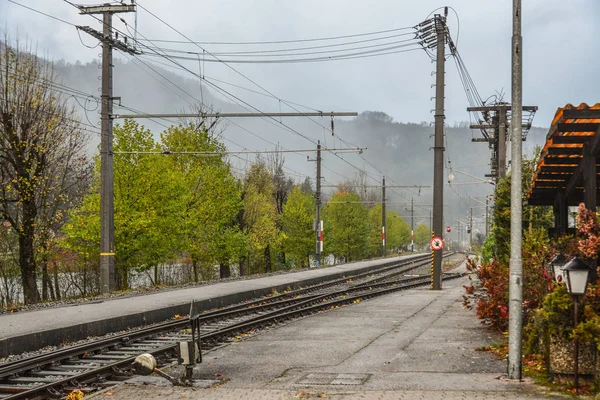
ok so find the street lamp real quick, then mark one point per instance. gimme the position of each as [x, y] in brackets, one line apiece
[576, 273]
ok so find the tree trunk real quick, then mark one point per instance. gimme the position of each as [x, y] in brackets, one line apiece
[45, 277]
[51, 289]
[268, 266]
[27, 262]
[242, 263]
[224, 270]
[56, 286]
[195, 269]
[156, 282]
[125, 279]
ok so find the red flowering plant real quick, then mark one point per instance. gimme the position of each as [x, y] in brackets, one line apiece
[488, 291]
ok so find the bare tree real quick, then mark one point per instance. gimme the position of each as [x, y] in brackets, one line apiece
[283, 184]
[40, 147]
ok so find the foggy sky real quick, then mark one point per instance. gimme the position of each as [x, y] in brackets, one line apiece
[559, 55]
[558, 37]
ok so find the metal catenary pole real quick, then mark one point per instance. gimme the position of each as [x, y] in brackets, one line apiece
[107, 223]
[318, 201]
[501, 142]
[383, 218]
[412, 226]
[515, 323]
[438, 165]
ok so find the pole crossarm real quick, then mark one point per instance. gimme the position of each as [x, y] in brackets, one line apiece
[106, 8]
[224, 153]
[494, 107]
[377, 186]
[117, 44]
[239, 115]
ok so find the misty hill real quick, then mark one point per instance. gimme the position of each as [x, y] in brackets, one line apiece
[402, 150]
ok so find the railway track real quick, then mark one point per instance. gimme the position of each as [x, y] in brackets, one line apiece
[106, 362]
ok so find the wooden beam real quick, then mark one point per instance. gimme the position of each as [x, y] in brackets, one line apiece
[577, 127]
[554, 151]
[570, 139]
[557, 169]
[581, 114]
[561, 160]
[589, 178]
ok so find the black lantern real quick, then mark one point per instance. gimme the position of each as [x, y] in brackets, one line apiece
[577, 274]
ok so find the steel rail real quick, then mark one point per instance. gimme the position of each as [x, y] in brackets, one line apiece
[290, 305]
[19, 366]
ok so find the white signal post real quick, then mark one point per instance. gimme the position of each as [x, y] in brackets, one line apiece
[321, 236]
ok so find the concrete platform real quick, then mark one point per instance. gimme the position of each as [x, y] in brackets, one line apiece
[415, 344]
[32, 330]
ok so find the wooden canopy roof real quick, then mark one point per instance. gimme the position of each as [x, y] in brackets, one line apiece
[560, 167]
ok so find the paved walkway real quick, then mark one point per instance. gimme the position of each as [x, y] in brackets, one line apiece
[417, 344]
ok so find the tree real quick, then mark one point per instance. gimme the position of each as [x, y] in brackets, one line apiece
[375, 219]
[397, 231]
[41, 148]
[346, 226]
[422, 235]
[282, 186]
[533, 216]
[297, 224]
[212, 197]
[149, 201]
[260, 214]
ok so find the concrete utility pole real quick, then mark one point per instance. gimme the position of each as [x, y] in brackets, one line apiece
[438, 161]
[383, 217]
[515, 322]
[318, 227]
[107, 219]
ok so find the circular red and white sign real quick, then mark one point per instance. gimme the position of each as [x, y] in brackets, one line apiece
[437, 243]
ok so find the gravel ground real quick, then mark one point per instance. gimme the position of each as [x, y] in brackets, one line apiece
[449, 263]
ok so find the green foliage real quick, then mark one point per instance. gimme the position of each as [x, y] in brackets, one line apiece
[533, 216]
[346, 226]
[260, 215]
[422, 235]
[397, 231]
[297, 223]
[164, 205]
[375, 219]
[211, 199]
[488, 250]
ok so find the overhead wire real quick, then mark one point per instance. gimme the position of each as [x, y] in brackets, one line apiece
[288, 41]
[209, 82]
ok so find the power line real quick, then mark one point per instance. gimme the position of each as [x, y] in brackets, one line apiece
[287, 41]
[284, 53]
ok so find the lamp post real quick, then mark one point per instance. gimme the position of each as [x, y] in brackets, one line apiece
[576, 276]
